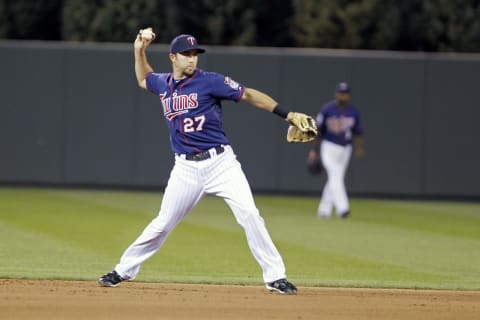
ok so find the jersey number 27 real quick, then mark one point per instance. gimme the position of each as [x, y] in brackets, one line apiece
[193, 124]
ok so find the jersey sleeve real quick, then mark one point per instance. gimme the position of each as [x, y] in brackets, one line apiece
[155, 82]
[225, 88]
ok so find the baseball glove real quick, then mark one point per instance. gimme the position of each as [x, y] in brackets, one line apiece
[314, 166]
[304, 123]
[294, 134]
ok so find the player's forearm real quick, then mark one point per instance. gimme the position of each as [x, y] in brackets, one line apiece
[142, 68]
[359, 141]
[259, 99]
[359, 147]
[267, 103]
[264, 101]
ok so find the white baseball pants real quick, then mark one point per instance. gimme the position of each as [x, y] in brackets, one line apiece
[335, 159]
[189, 181]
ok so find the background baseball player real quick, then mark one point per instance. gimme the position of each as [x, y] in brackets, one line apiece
[204, 161]
[338, 125]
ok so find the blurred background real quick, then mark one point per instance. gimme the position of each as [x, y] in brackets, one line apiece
[71, 113]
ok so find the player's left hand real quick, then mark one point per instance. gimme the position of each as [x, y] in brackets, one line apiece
[303, 122]
[313, 155]
[360, 152]
[302, 129]
[294, 134]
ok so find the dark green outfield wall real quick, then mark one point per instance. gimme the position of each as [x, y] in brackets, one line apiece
[72, 114]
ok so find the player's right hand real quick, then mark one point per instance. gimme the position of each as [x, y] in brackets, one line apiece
[141, 43]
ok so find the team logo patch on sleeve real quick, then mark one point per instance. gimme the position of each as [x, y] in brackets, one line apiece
[231, 83]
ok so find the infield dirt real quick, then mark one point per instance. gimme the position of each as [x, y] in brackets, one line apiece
[53, 299]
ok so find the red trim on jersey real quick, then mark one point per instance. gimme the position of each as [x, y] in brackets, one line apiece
[194, 75]
[242, 91]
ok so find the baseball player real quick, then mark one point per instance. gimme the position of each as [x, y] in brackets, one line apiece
[338, 125]
[205, 163]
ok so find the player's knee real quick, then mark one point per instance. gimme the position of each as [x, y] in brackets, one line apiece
[247, 217]
[160, 225]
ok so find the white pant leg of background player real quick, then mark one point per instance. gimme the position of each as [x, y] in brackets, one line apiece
[181, 194]
[325, 206]
[335, 159]
[228, 181]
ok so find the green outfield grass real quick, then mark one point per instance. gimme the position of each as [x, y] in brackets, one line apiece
[79, 234]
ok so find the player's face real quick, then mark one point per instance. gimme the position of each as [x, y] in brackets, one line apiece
[185, 62]
[342, 97]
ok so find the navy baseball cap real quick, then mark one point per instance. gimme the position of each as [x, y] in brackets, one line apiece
[185, 42]
[342, 87]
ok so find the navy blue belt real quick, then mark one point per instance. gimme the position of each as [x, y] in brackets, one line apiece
[203, 155]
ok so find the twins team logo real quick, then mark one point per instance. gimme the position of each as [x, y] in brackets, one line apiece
[191, 40]
[340, 124]
[178, 104]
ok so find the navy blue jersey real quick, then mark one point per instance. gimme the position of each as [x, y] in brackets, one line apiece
[339, 124]
[192, 108]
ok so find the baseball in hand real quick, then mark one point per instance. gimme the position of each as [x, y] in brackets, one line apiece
[147, 34]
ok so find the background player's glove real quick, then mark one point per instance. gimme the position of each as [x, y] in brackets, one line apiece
[314, 165]
[304, 123]
[294, 134]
